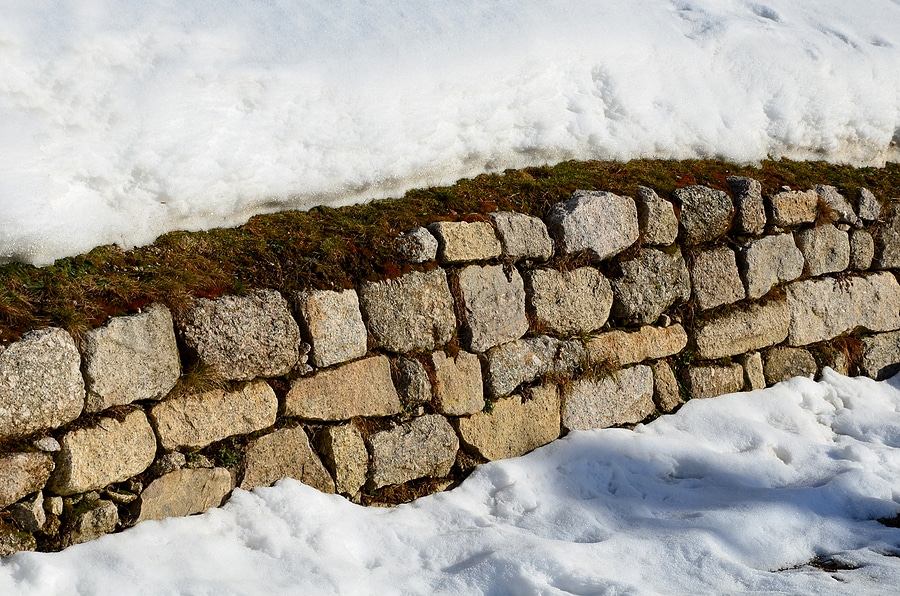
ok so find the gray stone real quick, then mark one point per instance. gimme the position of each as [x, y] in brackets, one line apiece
[509, 365]
[794, 207]
[168, 462]
[751, 211]
[867, 206]
[769, 261]
[624, 397]
[881, 355]
[837, 205]
[196, 420]
[285, 453]
[887, 238]
[862, 250]
[361, 388]
[243, 337]
[599, 223]
[825, 249]
[424, 446]
[40, 382]
[743, 330]
[713, 380]
[514, 426]
[715, 278]
[332, 324]
[656, 218]
[462, 242]
[458, 389]
[825, 308]
[47, 444]
[522, 236]
[568, 302]
[417, 246]
[615, 349]
[413, 384]
[130, 358]
[29, 513]
[413, 312]
[13, 540]
[754, 374]
[492, 306]
[92, 524]
[666, 394]
[650, 283]
[22, 474]
[706, 213]
[185, 492]
[783, 363]
[109, 451]
[344, 453]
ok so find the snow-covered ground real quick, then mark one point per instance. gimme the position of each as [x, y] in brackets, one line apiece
[732, 494]
[121, 120]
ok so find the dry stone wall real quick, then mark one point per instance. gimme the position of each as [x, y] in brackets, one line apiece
[503, 335]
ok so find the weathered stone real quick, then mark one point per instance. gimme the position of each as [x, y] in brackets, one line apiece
[867, 206]
[130, 358]
[194, 421]
[715, 278]
[840, 209]
[743, 330]
[769, 261]
[413, 312]
[599, 223]
[862, 250]
[344, 453]
[825, 249]
[887, 238]
[618, 348]
[625, 397]
[109, 451]
[515, 426]
[509, 365]
[568, 302]
[361, 388]
[834, 358]
[332, 324]
[825, 308]
[458, 389]
[243, 337]
[666, 394]
[285, 453]
[29, 514]
[794, 207]
[417, 246]
[881, 355]
[53, 505]
[40, 382]
[522, 236]
[783, 363]
[493, 306]
[751, 212]
[424, 446]
[22, 474]
[650, 283]
[712, 380]
[13, 540]
[184, 492]
[754, 375]
[706, 213]
[656, 218]
[168, 462]
[92, 524]
[47, 444]
[461, 242]
[413, 384]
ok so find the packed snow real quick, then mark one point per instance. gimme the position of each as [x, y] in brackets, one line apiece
[733, 494]
[122, 120]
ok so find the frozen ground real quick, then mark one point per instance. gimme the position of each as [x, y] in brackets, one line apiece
[122, 120]
[730, 495]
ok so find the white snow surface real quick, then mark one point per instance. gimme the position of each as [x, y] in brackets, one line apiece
[734, 494]
[122, 120]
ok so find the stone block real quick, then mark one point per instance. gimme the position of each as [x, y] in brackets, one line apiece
[825, 249]
[40, 382]
[89, 525]
[242, 337]
[706, 213]
[715, 278]
[881, 355]
[568, 302]
[492, 306]
[624, 397]
[599, 223]
[713, 380]
[862, 250]
[794, 207]
[361, 388]
[332, 324]
[109, 451]
[458, 389]
[783, 363]
[410, 313]
[412, 382]
[825, 308]
[515, 426]
[741, 330]
[650, 283]
[130, 358]
[867, 206]
[424, 446]
[769, 261]
[285, 453]
[751, 211]
[616, 349]
[754, 374]
[417, 246]
[835, 203]
[666, 394]
[887, 238]
[522, 236]
[22, 474]
[29, 514]
[462, 242]
[656, 218]
[185, 492]
[509, 365]
[344, 453]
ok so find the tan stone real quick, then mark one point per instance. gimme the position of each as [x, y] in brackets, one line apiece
[742, 330]
[92, 524]
[754, 376]
[332, 323]
[285, 453]
[794, 207]
[625, 397]
[666, 394]
[459, 389]
[619, 348]
[713, 380]
[22, 474]
[185, 492]
[344, 453]
[460, 241]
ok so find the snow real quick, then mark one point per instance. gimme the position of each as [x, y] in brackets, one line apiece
[122, 120]
[733, 494]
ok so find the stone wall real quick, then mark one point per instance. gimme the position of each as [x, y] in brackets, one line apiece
[503, 334]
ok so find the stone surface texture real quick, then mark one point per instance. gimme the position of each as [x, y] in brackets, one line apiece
[462, 242]
[769, 261]
[22, 474]
[509, 365]
[600, 223]
[712, 380]
[625, 397]
[424, 446]
[881, 355]
[568, 302]
[650, 283]
[793, 207]
[706, 213]
[887, 238]
[522, 236]
[492, 306]
[412, 382]
[783, 363]
[417, 246]
[754, 374]
[285, 453]
[332, 324]
[458, 388]
[92, 524]
[839, 207]
[741, 330]
[29, 514]
[867, 206]
[862, 250]
[751, 211]
[656, 218]
[619, 348]
[185, 492]
[825, 249]
[666, 394]
[715, 278]
[344, 453]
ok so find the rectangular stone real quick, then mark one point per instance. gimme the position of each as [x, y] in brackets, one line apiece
[493, 306]
[714, 380]
[620, 348]
[625, 397]
[742, 330]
